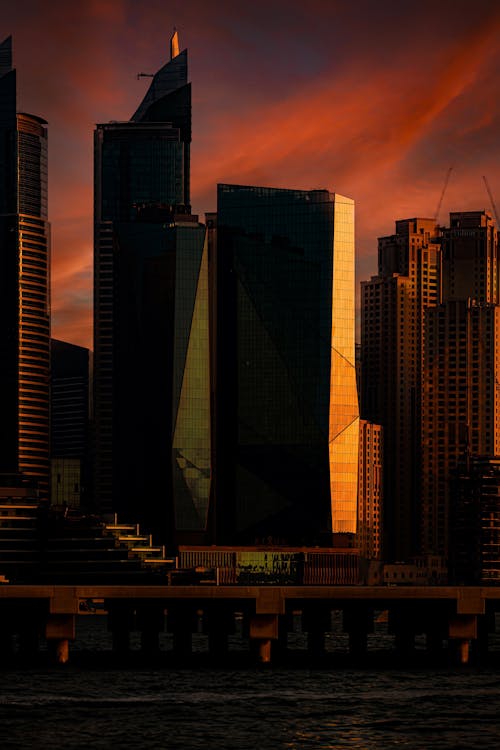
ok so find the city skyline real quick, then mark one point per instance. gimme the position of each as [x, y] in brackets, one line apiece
[305, 113]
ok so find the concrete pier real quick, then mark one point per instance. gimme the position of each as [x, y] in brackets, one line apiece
[460, 616]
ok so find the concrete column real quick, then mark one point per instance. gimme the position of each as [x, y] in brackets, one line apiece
[463, 650]
[263, 650]
[60, 650]
[462, 630]
[263, 630]
[59, 630]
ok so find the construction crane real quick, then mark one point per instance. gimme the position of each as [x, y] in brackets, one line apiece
[438, 209]
[491, 200]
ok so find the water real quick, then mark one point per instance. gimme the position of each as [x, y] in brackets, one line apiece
[93, 704]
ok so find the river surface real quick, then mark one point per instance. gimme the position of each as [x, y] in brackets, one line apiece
[92, 703]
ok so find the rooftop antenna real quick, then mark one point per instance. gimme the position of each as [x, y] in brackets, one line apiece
[438, 209]
[491, 200]
[145, 75]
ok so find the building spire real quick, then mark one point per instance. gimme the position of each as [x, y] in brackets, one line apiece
[174, 44]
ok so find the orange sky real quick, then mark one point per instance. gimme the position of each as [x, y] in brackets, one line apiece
[375, 100]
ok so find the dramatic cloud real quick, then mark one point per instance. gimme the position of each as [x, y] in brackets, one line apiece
[373, 100]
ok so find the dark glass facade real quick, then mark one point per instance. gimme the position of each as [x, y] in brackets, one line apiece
[24, 286]
[151, 385]
[286, 403]
[69, 422]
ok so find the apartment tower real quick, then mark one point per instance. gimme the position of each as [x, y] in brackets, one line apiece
[24, 287]
[393, 305]
[461, 395]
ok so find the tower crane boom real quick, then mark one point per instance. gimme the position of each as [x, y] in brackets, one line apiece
[438, 209]
[495, 211]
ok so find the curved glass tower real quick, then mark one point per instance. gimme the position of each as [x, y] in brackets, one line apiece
[24, 286]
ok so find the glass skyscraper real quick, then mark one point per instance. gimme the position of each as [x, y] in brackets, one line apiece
[151, 349]
[24, 286]
[287, 421]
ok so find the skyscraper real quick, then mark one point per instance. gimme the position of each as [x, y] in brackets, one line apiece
[151, 384]
[393, 305]
[461, 398]
[287, 418]
[24, 286]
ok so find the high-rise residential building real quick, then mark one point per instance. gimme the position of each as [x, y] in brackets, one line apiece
[287, 420]
[69, 423]
[461, 398]
[393, 305]
[370, 490]
[475, 521]
[24, 286]
[470, 258]
[151, 376]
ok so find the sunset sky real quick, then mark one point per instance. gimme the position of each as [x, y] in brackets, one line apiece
[375, 100]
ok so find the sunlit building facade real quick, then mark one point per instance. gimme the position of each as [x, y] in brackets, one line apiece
[286, 418]
[151, 379]
[370, 490]
[24, 287]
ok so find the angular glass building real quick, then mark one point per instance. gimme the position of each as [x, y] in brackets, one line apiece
[24, 287]
[151, 386]
[286, 420]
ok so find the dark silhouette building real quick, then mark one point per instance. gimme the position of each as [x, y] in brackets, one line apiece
[24, 287]
[286, 447]
[69, 423]
[151, 377]
[475, 521]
